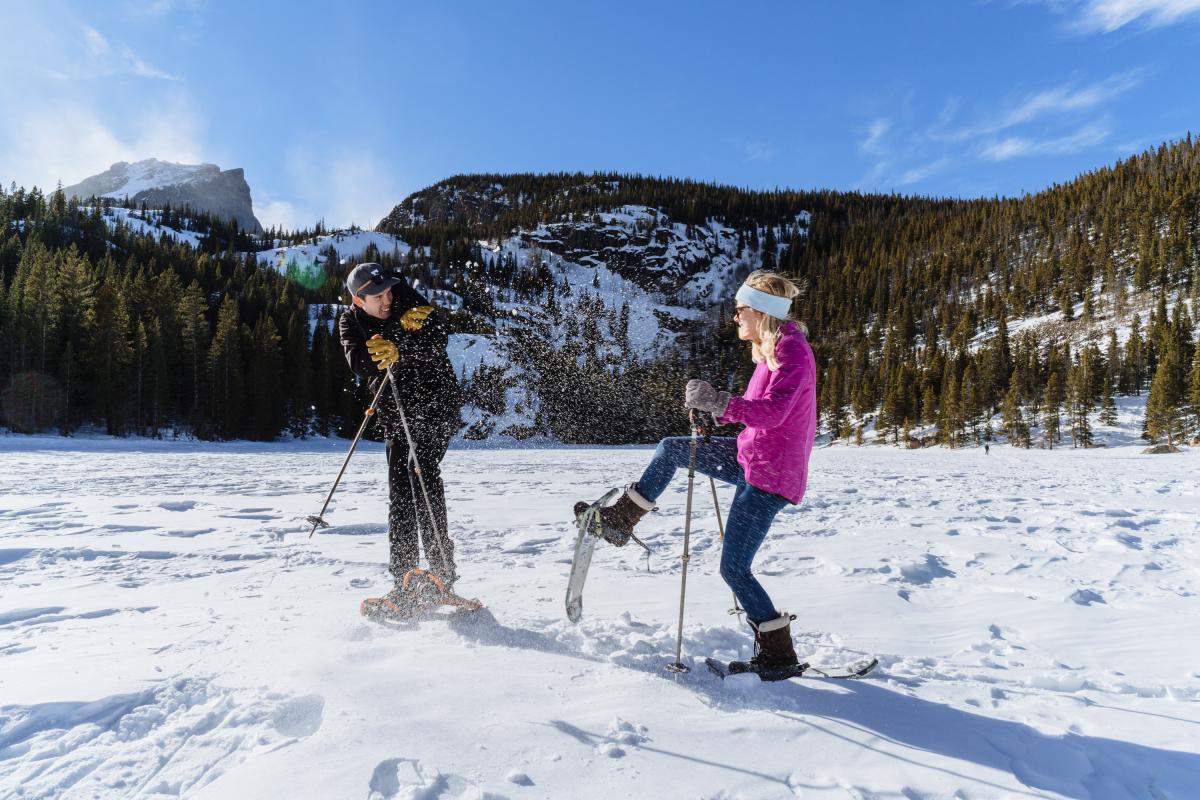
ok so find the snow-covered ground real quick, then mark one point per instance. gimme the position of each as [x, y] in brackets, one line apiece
[167, 628]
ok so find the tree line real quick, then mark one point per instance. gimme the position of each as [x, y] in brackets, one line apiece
[144, 336]
[908, 298]
[909, 301]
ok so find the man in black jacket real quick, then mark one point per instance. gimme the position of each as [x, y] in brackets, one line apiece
[391, 325]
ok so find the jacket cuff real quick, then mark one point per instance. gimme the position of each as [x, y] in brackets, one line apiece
[720, 404]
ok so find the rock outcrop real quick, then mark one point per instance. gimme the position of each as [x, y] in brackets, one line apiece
[204, 187]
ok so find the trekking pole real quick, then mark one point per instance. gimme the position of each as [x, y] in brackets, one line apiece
[318, 520]
[414, 468]
[707, 432]
[679, 666]
[737, 609]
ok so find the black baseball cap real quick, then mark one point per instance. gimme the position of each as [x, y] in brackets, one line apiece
[369, 279]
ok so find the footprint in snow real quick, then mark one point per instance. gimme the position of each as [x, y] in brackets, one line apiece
[171, 738]
[1130, 541]
[188, 534]
[621, 732]
[924, 573]
[1086, 597]
[395, 778]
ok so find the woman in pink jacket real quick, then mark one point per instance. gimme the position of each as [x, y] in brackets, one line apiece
[767, 462]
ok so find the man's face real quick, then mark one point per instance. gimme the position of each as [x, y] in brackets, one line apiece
[377, 305]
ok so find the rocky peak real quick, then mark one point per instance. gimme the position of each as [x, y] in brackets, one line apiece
[204, 187]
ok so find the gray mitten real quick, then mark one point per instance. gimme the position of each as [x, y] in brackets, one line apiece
[702, 396]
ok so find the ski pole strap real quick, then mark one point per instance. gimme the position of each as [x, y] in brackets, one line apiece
[701, 422]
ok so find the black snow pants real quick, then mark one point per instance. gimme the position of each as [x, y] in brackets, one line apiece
[409, 529]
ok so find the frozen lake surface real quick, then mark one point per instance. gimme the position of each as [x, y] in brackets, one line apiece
[167, 628]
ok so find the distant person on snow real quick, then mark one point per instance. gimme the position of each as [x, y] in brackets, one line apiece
[767, 462]
[391, 325]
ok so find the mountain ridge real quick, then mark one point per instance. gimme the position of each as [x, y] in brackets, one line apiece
[156, 183]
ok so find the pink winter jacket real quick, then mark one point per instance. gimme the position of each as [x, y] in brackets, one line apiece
[779, 410]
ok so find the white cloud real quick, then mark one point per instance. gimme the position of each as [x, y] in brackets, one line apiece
[873, 144]
[361, 189]
[67, 140]
[140, 68]
[1071, 117]
[920, 173]
[1110, 15]
[62, 123]
[282, 214]
[352, 185]
[1018, 146]
[97, 45]
[150, 8]
[1065, 100]
[1106, 16]
[759, 151]
[91, 56]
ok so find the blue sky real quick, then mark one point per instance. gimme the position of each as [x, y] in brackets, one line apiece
[337, 112]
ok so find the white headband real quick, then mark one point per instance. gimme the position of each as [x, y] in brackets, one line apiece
[770, 304]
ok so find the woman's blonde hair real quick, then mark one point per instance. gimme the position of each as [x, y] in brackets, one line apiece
[768, 328]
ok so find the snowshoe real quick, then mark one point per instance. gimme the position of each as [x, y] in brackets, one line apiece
[853, 671]
[418, 594]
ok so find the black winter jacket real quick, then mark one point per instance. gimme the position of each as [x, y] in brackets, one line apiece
[424, 376]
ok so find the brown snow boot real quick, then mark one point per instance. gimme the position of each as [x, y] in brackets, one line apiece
[617, 521]
[774, 656]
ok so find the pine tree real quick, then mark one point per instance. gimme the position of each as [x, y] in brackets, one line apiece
[225, 367]
[77, 293]
[141, 345]
[264, 383]
[1194, 393]
[158, 378]
[950, 417]
[1133, 376]
[834, 406]
[194, 339]
[298, 369]
[109, 355]
[969, 398]
[1108, 405]
[1052, 400]
[1079, 401]
[1162, 406]
[1015, 426]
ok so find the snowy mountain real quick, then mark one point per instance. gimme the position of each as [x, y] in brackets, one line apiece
[563, 266]
[204, 187]
[615, 288]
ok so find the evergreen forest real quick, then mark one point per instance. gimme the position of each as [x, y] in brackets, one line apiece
[934, 320]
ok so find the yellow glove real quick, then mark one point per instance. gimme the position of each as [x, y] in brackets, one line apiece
[383, 351]
[414, 319]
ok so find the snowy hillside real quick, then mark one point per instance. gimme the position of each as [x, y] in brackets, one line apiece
[149, 223]
[630, 281]
[349, 245]
[171, 630]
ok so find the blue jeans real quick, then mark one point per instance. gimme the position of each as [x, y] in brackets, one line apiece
[750, 516]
